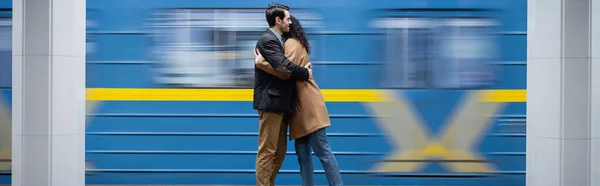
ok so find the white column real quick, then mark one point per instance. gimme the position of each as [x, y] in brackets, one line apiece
[563, 93]
[48, 109]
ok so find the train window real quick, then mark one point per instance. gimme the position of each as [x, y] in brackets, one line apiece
[408, 47]
[437, 53]
[90, 44]
[5, 52]
[208, 47]
[245, 69]
[466, 49]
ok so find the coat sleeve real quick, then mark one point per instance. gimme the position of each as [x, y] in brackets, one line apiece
[271, 51]
[280, 73]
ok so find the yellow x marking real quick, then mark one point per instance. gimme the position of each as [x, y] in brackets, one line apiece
[455, 144]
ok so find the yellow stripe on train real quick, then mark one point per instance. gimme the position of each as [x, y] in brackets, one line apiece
[331, 95]
[504, 95]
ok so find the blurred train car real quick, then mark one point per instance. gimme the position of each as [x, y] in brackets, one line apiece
[420, 92]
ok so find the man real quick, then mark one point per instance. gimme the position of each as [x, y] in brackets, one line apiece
[275, 99]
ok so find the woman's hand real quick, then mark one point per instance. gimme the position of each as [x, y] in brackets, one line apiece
[257, 56]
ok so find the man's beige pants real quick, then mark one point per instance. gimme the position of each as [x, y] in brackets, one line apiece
[272, 147]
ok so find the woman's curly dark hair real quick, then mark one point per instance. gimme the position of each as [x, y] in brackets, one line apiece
[297, 32]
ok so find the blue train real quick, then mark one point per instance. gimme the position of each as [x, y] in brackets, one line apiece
[420, 92]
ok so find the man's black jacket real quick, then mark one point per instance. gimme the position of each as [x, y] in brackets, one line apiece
[271, 93]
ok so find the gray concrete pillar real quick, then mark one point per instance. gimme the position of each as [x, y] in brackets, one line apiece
[48, 110]
[563, 93]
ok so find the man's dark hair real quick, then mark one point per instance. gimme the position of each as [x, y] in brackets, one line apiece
[275, 10]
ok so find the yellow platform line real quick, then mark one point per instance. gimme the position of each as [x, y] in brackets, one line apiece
[331, 95]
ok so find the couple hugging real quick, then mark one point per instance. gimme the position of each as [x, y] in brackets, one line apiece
[285, 93]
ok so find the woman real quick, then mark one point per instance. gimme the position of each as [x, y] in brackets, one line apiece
[307, 125]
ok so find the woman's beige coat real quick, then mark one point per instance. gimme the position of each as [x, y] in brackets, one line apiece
[312, 113]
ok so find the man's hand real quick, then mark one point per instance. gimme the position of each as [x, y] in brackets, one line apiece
[309, 67]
